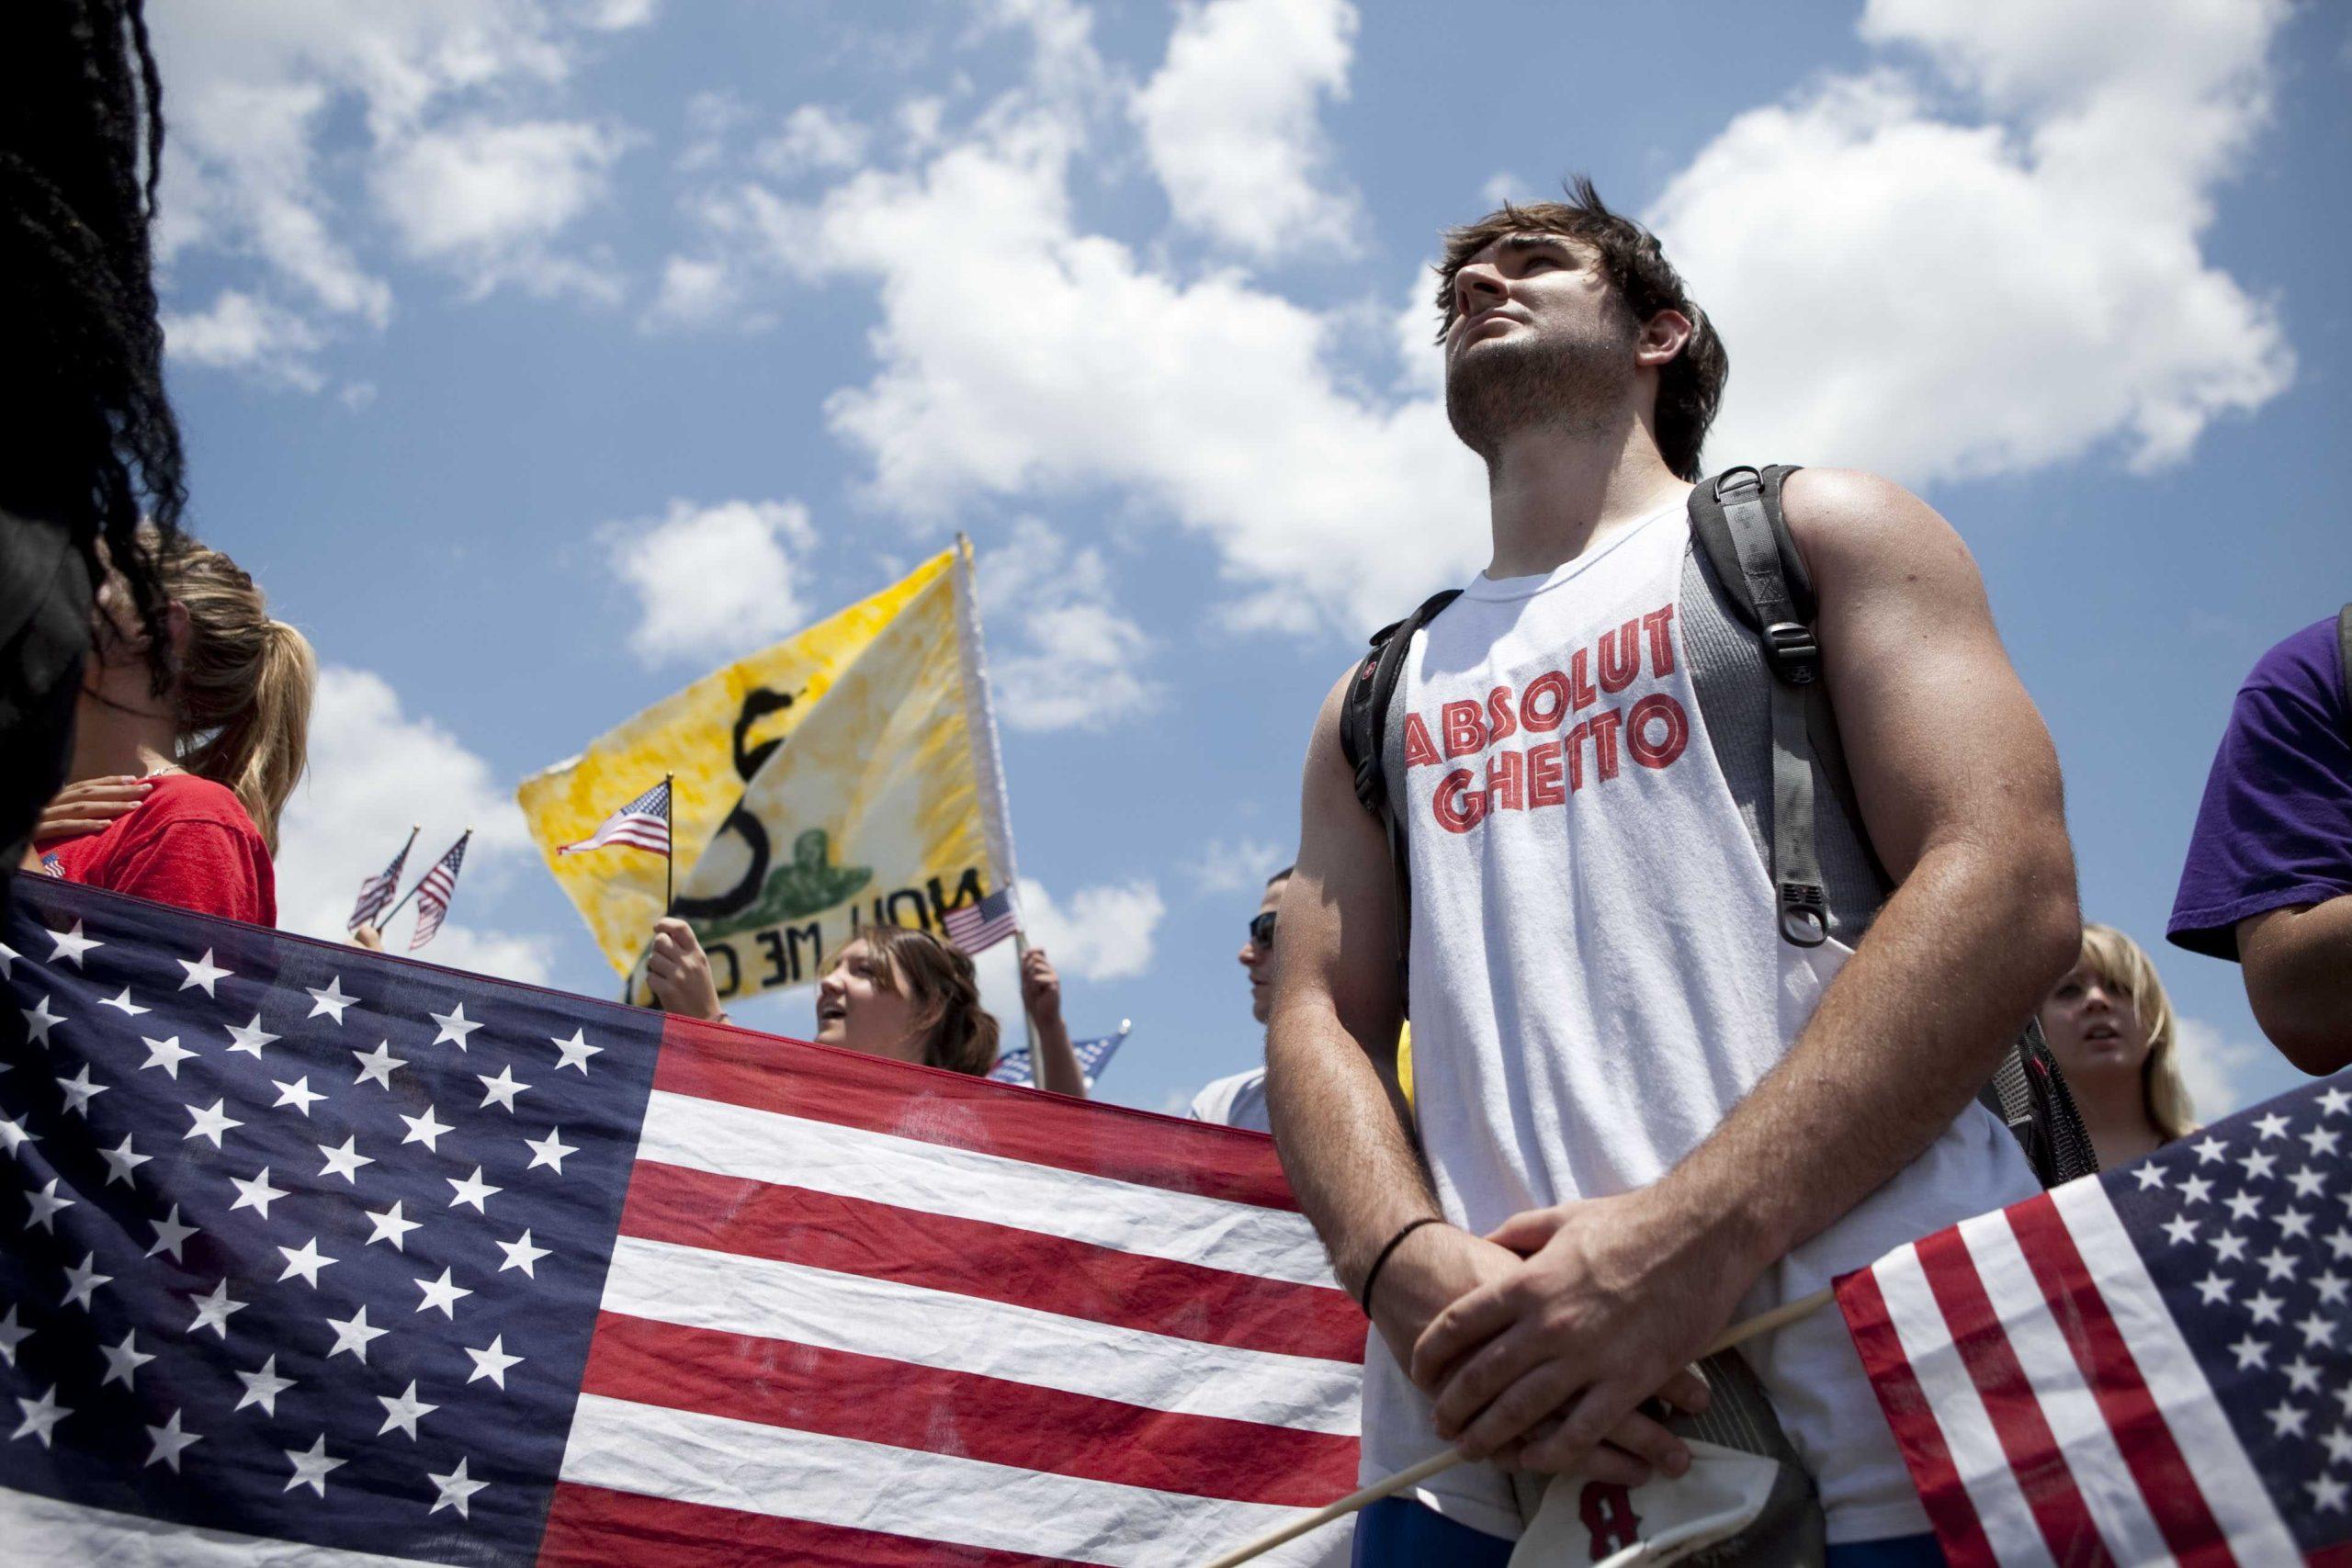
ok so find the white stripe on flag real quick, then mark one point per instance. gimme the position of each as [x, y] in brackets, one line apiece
[758, 1296]
[1960, 1411]
[2240, 1502]
[45, 1529]
[2076, 1422]
[715, 1462]
[851, 1162]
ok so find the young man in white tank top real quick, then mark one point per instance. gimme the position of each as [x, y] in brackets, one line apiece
[1641, 1114]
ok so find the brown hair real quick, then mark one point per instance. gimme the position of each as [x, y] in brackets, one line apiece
[2124, 966]
[242, 686]
[958, 1033]
[1691, 385]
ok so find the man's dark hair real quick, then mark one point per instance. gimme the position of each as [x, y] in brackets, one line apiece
[1635, 264]
[1280, 874]
[89, 446]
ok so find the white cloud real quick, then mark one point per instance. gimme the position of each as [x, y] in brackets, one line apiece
[1237, 865]
[374, 771]
[486, 197]
[814, 140]
[695, 292]
[252, 88]
[720, 579]
[1104, 933]
[240, 332]
[2220, 1072]
[1061, 655]
[1229, 122]
[1935, 294]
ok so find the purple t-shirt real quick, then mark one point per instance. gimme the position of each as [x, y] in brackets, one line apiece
[2276, 826]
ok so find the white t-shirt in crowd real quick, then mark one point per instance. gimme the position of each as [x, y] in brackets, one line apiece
[1236, 1101]
[1597, 977]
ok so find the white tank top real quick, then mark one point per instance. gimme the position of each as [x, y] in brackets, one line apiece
[1597, 978]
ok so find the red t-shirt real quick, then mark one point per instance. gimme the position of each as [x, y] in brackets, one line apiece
[189, 843]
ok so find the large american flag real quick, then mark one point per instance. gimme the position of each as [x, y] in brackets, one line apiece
[2147, 1366]
[301, 1243]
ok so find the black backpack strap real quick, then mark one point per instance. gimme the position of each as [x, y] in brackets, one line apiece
[1737, 517]
[1363, 741]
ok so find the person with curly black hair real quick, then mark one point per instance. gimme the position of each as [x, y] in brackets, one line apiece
[89, 446]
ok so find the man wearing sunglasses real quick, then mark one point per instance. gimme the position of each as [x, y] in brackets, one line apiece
[1240, 1100]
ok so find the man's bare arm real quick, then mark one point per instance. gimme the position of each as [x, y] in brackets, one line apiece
[1338, 1119]
[2298, 965]
[1959, 785]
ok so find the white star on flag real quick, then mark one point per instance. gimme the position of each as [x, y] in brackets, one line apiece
[311, 1467]
[214, 1311]
[550, 1151]
[345, 1160]
[79, 1091]
[472, 1190]
[42, 1414]
[70, 946]
[305, 1260]
[492, 1362]
[169, 1439]
[123, 1360]
[170, 1234]
[502, 1088]
[263, 1387]
[455, 1026]
[165, 1053]
[331, 1000]
[298, 1094]
[257, 1194]
[122, 1003]
[352, 1336]
[404, 1413]
[250, 1037]
[455, 1490]
[442, 1293]
[379, 1063]
[82, 1284]
[211, 1122]
[387, 1225]
[12, 1335]
[204, 973]
[41, 1020]
[575, 1051]
[424, 1129]
[47, 1206]
[521, 1254]
[122, 1161]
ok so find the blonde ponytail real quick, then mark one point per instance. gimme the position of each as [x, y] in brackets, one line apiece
[242, 685]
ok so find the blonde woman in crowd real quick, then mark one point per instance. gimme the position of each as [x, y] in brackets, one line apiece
[2112, 1029]
[890, 991]
[179, 776]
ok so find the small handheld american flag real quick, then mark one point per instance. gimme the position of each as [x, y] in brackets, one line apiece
[433, 894]
[1094, 1055]
[642, 824]
[984, 924]
[376, 892]
[2151, 1365]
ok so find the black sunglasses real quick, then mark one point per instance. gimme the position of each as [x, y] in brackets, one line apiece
[1261, 929]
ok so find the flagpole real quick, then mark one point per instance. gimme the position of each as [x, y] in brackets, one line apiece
[669, 846]
[1762, 1322]
[1028, 1025]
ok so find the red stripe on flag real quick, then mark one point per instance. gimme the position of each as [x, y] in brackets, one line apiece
[589, 1524]
[1001, 1263]
[2166, 1483]
[875, 1399]
[710, 1061]
[1983, 1342]
[1913, 1420]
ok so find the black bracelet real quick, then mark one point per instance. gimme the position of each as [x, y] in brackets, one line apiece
[1372, 1274]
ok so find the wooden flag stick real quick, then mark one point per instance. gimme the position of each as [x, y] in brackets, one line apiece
[1762, 1322]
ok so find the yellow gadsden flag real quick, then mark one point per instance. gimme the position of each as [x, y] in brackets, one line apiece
[847, 775]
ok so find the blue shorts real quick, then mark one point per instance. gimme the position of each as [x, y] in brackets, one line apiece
[1396, 1532]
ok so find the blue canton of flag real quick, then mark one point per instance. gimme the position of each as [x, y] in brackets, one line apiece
[296, 1241]
[1013, 1066]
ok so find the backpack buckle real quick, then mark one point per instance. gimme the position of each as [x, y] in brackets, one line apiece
[1805, 915]
[1793, 652]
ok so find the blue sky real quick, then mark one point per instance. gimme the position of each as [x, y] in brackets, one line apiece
[490, 319]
